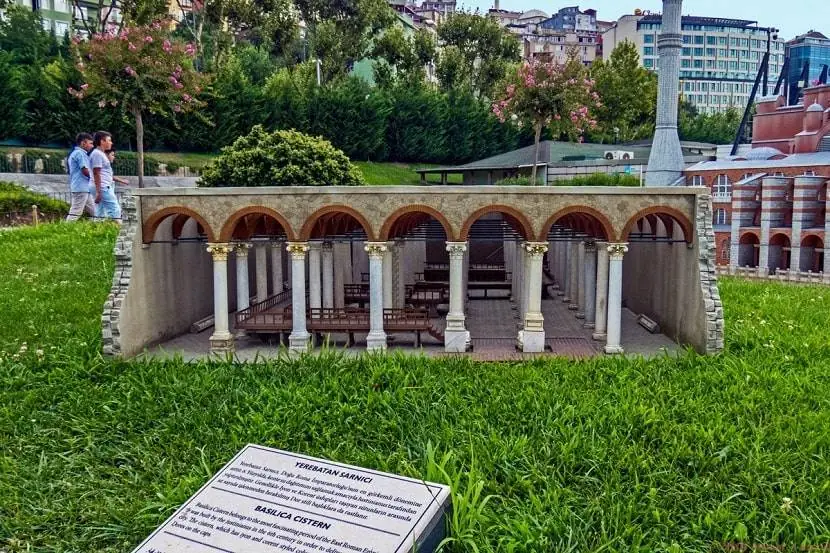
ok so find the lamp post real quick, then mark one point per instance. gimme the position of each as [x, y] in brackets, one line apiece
[772, 34]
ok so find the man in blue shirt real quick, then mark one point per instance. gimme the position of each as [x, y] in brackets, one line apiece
[107, 206]
[79, 179]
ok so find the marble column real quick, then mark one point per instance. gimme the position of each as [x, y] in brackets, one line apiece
[525, 259]
[532, 335]
[277, 278]
[562, 272]
[261, 257]
[553, 263]
[376, 339]
[221, 341]
[298, 340]
[590, 283]
[243, 292]
[601, 311]
[327, 254]
[398, 282]
[615, 271]
[315, 292]
[456, 336]
[580, 277]
[388, 275]
[573, 274]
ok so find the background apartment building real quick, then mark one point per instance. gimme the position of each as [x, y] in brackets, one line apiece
[810, 51]
[719, 60]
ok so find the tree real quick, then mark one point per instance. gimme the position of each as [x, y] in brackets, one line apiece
[12, 111]
[139, 70]
[550, 95]
[402, 58]
[132, 12]
[715, 128]
[628, 93]
[477, 51]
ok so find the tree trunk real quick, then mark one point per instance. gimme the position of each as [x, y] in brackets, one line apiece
[538, 134]
[139, 146]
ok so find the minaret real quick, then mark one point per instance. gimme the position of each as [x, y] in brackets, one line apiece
[665, 164]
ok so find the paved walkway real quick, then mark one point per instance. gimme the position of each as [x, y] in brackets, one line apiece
[493, 326]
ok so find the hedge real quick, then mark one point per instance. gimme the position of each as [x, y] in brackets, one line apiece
[16, 199]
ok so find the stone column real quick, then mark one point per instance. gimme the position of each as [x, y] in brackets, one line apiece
[532, 335]
[398, 283]
[376, 339]
[243, 292]
[525, 279]
[573, 275]
[615, 254]
[315, 292]
[456, 336]
[562, 273]
[553, 263]
[299, 338]
[601, 311]
[388, 276]
[665, 162]
[327, 254]
[590, 283]
[261, 272]
[277, 279]
[580, 277]
[221, 341]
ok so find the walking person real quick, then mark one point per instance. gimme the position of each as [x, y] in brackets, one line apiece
[80, 179]
[106, 204]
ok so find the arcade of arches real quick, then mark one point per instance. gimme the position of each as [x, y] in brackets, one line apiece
[297, 263]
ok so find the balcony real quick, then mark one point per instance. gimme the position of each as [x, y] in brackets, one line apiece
[722, 197]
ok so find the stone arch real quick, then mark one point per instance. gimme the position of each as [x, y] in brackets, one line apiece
[668, 215]
[148, 229]
[812, 240]
[601, 221]
[389, 223]
[226, 235]
[510, 213]
[320, 215]
[752, 233]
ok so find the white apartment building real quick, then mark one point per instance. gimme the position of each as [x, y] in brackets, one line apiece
[720, 57]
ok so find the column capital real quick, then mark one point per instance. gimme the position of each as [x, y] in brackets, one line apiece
[297, 249]
[456, 248]
[590, 245]
[375, 249]
[535, 248]
[327, 246]
[617, 250]
[219, 251]
[276, 245]
[242, 248]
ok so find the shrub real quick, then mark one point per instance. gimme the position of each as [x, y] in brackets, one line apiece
[16, 199]
[281, 158]
[513, 181]
[601, 179]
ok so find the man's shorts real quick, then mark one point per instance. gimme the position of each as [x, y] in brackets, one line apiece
[109, 208]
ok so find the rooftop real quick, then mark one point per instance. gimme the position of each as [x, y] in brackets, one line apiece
[792, 160]
[696, 20]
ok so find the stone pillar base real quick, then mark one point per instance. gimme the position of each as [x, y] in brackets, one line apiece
[299, 342]
[222, 342]
[555, 286]
[572, 307]
[376, 341]
[580, 315]
[613, 350]
[599, 336]
[456, 340]
[560, 293]
[565, 298]
[589, 325]
[532, 341]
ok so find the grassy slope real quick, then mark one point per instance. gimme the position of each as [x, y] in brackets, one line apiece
[608, 454]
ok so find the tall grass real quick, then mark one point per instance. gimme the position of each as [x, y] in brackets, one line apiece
[671, 454]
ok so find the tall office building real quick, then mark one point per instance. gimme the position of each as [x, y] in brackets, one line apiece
[719, 58]
[810, 52]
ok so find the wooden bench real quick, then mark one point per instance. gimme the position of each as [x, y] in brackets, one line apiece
[356, 293]
[350, 320]
[407, 320]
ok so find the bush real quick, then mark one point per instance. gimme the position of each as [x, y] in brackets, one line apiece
[281, 158]
[513, 181]
[601, 179]
[16, 199]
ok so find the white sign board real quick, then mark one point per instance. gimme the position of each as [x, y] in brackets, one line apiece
[266, 500]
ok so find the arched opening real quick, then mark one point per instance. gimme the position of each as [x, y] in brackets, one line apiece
[658, 224]
[723, 251]
[749, 250]
[812, 254]
[779, 252]
[174, 224]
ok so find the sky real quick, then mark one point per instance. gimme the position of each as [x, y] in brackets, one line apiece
[799, 17]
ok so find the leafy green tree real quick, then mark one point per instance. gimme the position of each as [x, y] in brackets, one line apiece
[281, 158]
[12, 109]
[22, 37]
[477, 52]
[400, 58]
[628, 93]
[552, 95]
[141, 71]
[715, 128]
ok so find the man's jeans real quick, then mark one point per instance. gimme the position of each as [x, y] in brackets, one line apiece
[109, 208]
[81, 202]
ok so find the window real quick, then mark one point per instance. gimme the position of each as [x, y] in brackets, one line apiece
[711, 52]
[687, 51]
[720, 216]
[711, 40]
[685, 63]
[648, 50]
[61, 28]
[809, 173]
[725, 246]
[697, 180]
[698, 51]
[61, 6]
[723, 188]
[648, 39]
[648, 63]
[698, 39]
[47, 24]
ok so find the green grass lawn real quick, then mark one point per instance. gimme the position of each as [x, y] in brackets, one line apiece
[671, 454]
